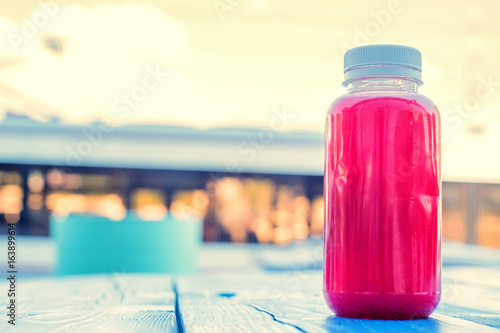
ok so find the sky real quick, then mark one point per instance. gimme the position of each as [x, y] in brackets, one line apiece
[232, 63]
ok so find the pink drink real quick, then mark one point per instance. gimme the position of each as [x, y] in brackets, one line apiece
[382, 203]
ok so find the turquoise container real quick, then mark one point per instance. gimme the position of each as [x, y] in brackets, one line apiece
[88, 244]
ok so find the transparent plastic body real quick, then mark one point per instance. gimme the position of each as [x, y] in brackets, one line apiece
[382, 202]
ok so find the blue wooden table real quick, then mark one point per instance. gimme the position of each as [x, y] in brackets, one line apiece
[239, 288]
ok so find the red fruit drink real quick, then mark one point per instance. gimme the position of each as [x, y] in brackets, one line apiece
[382, 196]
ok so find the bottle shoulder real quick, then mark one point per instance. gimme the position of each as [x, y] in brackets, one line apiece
[351, 101]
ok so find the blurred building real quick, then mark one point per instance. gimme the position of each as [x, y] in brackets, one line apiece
[244, 188]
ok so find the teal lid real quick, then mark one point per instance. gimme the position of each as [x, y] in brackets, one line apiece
[382, 60]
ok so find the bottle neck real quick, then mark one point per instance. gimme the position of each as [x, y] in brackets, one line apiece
[382, 84]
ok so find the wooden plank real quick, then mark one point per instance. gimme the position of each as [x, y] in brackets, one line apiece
[309, 311]
[294, 300]
[212, 303]
[473, 294]
[234, 295]
[471, 291]
[103, 303]
[213, 314]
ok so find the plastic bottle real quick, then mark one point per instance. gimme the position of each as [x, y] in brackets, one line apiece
[382, 190]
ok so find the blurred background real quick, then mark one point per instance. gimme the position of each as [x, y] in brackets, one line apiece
[216, 108]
